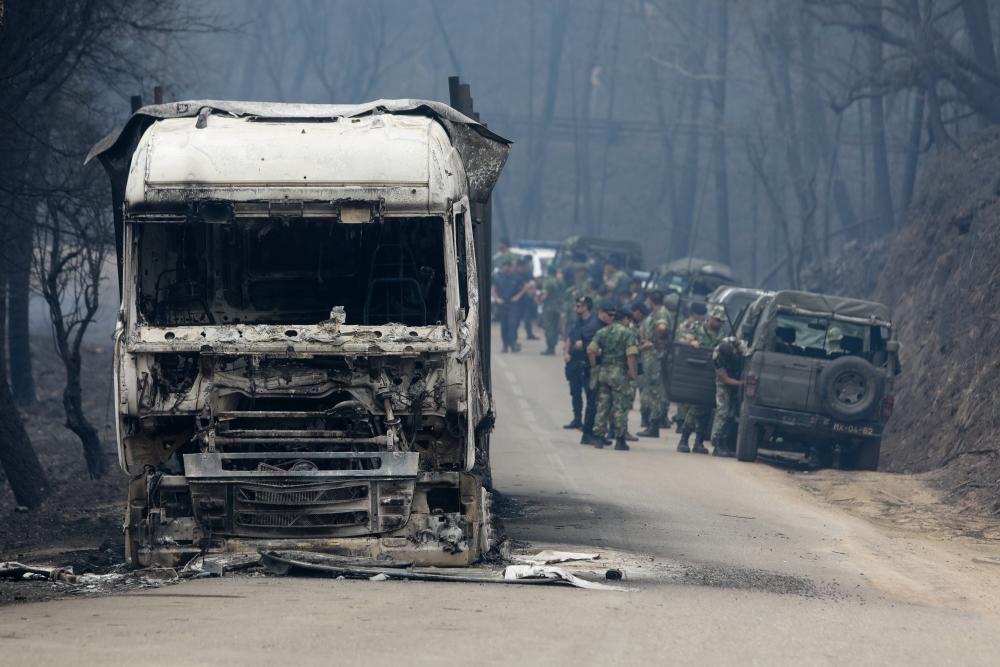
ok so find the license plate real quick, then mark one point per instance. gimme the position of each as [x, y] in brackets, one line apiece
[853, 429]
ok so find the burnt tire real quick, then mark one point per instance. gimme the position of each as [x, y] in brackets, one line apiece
[851, 389]
[748, 439]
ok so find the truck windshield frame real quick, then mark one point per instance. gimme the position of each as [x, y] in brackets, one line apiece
[292, 272]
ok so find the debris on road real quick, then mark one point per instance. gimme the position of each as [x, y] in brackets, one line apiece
[64, 579]
[283, 563]
[218, 566]
[549, 557]
[550, 574]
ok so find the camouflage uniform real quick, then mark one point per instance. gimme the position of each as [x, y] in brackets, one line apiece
[652, 383]
[615, 343]
[615, 282]
[686, 328]
[504, 258]
[552, 310]
[728, 357]
[696, 419]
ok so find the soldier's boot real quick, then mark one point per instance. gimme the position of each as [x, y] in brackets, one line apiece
[682, 446]
[699, 444]
[620, 445]
[718, 449]
[652, 431]
[588, 438]
[644, 414]
[576, 423]
[630, 437]
[600, 442]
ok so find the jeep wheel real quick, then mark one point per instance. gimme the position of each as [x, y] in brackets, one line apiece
[748, 439]
[850, 388]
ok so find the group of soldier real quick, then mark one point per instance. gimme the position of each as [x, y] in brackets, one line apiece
[616, 340]
[515, 296]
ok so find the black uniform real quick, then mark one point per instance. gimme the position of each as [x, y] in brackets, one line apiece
[578, 370]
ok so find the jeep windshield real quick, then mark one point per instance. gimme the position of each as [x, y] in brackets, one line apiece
[827, 338]
[292, 271]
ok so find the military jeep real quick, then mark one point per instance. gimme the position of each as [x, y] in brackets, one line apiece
[818, 378]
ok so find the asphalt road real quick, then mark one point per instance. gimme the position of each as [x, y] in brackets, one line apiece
[734, 564]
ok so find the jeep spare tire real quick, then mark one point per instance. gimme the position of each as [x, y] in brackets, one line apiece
[850, 389]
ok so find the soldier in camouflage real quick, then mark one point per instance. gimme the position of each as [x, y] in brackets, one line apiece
[616, 345]
[653, 350]
[614, 280]
[633, 314]
[694, 320]
[552, 298]
[697, 419]
[728, 358]
[582, 287]
[654, 343]
[504, 256]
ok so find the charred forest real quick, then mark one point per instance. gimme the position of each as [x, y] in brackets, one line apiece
[785, 138]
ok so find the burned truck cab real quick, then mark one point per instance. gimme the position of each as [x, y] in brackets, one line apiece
[297, 356]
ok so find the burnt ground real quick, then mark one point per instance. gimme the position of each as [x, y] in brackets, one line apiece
[79, 525]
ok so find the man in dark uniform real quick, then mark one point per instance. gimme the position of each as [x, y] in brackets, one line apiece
[578, 337]
[507, 291]
[527, 308]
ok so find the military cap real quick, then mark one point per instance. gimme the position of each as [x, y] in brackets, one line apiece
[718, 312]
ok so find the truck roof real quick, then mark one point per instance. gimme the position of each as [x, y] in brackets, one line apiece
[413, 154]
[833, 306]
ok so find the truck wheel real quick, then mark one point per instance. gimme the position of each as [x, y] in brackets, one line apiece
[850, 389]
[748, 439]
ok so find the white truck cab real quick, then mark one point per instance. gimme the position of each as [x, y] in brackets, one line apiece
[298, 354]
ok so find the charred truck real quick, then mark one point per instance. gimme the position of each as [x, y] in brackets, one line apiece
[299, 359]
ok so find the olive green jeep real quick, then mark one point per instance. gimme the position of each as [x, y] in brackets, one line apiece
[819, 376]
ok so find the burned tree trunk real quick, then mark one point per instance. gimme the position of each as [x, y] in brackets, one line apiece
[71, 246]
[17, 457]
[76, 419]
[979, 27]
[719, 135]
[684, 204]
[884, 217]
[912, 154]
[19, 342]
[533, 201]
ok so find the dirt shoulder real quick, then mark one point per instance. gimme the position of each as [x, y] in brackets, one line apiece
[937, 552]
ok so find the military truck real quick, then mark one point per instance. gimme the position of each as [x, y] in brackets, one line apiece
[627, 254]
[818, 378]
[299, 357]
[691, 371]
[691, 277]
[735, 300]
